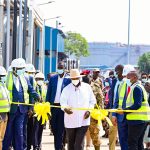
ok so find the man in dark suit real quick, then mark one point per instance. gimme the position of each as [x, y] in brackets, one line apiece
[120, 103]
[112, 96]
[55, 87]
[20, 89]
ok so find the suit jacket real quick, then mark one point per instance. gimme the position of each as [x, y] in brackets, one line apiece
[52, 88]
[18, 96]
[111, 94]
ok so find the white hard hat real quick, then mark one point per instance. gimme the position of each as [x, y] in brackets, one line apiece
[2, 71]
[39, 75]
[30, 68]
[18, 63]
[127, 69]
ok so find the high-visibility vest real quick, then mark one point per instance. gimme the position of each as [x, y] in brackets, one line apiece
[43, 91]
[4, 99]
[9, 85]
[121, 91]
[145, 116]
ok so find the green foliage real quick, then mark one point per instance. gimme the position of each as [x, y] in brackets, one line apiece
[76, 44]
[144, 62]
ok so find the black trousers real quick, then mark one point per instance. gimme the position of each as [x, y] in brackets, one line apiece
[135, 136]
[75, 137]
[57, 125]
[37, 133]
[30, 126]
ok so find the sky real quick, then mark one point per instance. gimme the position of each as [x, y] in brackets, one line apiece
[101, 20]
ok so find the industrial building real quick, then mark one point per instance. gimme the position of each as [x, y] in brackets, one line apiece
[23, 34]
[108, 55]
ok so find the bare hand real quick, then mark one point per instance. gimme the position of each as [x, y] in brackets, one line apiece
[86, 115]
[114, 121]
[68, 111]
[30, 113]
[120, 111]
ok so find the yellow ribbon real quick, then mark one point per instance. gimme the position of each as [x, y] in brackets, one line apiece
[42, 110]
[100, 114]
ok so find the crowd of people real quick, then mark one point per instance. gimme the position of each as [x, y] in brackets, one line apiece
[72, 90]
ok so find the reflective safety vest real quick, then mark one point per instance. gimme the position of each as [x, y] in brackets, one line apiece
[145, 116]
[9, 85]
[121, 91]
[43, 91]
[4, 99]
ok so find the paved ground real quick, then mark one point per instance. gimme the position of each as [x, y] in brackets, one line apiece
[48, 142]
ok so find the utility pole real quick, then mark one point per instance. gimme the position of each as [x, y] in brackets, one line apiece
[20, 29]
[8, 36]
[129, 32]
[24, 30]
[30, 37]
[14, 30]
[1, 29]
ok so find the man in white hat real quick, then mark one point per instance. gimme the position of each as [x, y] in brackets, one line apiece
[20, 89]
[76, 95]
[41, 89]
[29, 121]
[120, 103]
[4, 104]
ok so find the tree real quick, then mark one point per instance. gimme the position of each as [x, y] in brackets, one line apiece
[144, 62]
[76, 44]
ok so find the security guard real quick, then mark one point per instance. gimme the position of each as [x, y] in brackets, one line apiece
[20, 89]
[4, 104]
[94, 129]
[28, 122]
[38, 127]
[137, 121]
[120, 103]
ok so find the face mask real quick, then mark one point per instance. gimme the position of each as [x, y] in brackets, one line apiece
[106, 83]
[115, 75]
[75, 82]
[144, 80]
[3, 79]
[111, 76]
[60, 71]
[128, 82]
[31, 75]
[20, 72]
[40, 82]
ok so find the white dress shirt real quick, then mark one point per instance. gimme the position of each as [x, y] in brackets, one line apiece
[16, 82]
[116, 87]
[76, 98]
[58, 92]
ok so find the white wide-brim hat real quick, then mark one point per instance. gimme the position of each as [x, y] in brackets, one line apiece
[74, 73]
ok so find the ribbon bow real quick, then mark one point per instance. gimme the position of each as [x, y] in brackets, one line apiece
[42, 110]
[100, 114]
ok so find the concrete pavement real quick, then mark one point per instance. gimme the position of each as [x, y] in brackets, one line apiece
[48, 142]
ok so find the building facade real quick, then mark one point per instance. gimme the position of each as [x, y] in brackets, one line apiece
[112, 54]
